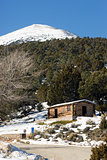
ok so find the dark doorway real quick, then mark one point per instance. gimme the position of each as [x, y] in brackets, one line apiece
[56, 113]
[84, 110]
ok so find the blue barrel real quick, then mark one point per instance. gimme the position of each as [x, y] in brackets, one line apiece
[32, 130]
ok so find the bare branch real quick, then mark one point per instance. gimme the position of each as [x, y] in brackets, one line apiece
[14, 69]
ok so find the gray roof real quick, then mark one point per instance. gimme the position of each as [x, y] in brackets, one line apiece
[68, 103]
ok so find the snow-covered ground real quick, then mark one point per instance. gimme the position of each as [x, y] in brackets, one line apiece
[10, 152]
[81, 125]
[38, 121]
[17, 126]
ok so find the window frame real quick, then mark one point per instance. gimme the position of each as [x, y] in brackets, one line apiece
[68, 108]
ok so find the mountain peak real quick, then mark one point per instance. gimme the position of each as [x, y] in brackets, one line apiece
[35, 32]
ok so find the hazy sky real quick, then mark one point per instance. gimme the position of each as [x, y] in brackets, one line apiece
[82, 17]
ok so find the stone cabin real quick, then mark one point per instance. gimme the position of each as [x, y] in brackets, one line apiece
[81, 107]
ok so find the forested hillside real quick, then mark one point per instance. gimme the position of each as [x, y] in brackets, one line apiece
[57, 71]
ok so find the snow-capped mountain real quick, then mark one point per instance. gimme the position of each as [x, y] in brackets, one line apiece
[35, 32]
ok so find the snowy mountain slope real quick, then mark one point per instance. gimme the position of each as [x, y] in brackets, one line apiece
[35, 32]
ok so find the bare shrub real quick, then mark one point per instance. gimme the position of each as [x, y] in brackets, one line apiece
[59, 135]
[50, 130]
[69, 132]
[90, 122]
[65, 129]
[74, 125]
[86, 129]
[72, 137]
[75, 137]
[57, 126]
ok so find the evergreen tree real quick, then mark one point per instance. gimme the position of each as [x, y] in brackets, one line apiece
[94, 86]
[65, 87]
[103, 124]
[42, 93]
[99, 153]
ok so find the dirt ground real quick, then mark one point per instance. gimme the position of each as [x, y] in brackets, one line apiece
[9, 137]
[56, 152]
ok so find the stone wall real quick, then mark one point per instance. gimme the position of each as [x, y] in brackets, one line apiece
[89, 108]
[61, 110]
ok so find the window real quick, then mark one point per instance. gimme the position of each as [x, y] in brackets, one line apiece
[68, 108]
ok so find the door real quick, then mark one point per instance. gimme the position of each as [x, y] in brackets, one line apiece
[56, 113]
[84, 110]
